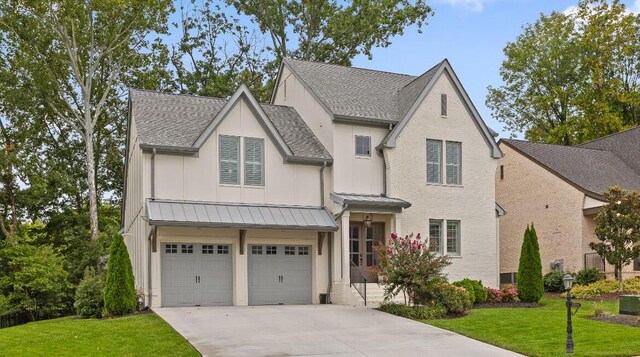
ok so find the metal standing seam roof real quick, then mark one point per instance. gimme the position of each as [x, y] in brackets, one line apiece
[368, 200]
[237, 215]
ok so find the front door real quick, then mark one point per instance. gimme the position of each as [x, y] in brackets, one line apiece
[362, 240]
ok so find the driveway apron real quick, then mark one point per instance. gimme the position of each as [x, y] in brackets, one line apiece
[315, 330]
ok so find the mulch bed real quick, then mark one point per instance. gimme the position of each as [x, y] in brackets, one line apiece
[509, 305]
[627, 320]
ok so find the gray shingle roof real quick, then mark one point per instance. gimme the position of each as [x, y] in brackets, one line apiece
[234, 215]
[591, 169]
[353, 92]
[175, 120]
[625, 144]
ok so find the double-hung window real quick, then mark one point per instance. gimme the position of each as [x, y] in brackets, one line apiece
[230, 160]
[453, 153]
[254, 161]
[434, 161]
[453, 238]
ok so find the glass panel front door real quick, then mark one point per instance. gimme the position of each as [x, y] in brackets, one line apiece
[362, 241]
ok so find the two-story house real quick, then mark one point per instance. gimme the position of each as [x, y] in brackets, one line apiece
[229, 201]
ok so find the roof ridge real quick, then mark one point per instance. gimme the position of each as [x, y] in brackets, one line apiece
[176, 94]
[420, 76]
[610, 135]
[352, 67]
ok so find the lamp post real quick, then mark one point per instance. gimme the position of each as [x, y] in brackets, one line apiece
[568, 284]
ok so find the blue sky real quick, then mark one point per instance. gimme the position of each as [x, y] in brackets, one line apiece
[471, 34]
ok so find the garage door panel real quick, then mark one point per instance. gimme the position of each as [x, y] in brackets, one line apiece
[282, 277]
[196, 274]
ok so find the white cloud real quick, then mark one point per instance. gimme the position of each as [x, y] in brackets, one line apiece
[470, 5]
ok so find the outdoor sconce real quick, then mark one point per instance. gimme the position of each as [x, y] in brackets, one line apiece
[568, 284]
[367, 218]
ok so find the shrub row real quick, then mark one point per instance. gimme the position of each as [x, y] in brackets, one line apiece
[419, 312]
[553, 280]
[602, 287]
[507, 294]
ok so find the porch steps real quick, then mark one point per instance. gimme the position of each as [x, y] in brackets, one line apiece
[375, 296]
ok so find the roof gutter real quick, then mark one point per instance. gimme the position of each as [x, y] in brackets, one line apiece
[170, 149]
[308, 160]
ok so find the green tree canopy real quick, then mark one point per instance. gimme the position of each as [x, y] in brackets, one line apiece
[618, 229]
[571, 78]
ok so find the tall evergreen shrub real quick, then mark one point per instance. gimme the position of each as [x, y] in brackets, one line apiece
[119, 293]
[530, 282]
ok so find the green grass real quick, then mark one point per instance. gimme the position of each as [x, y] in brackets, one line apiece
[542, 331]
[136, 335]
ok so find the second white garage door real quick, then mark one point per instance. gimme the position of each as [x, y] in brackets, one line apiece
[279, 274]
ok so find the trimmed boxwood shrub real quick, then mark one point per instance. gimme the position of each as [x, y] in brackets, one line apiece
[469, 286]
[119, 293]
[89, 299]
[553, 282]
[480, 292]
[587, 276]
[530, 284]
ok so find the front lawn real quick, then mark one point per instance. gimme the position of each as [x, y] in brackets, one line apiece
[135, 335]
[542, 331]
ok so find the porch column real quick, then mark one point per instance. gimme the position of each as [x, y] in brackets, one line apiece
[344, 228]
[397, 224]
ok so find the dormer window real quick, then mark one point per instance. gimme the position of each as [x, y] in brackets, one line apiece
[363, 146]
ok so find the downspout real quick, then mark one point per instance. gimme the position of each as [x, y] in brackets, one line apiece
[384, 173]
[336, 217]
[153, 174]
[329, 257]
[154, 229]
[324, 165]
[152, 238]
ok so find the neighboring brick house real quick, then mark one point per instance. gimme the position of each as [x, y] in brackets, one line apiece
[229, 201]
[559, 189]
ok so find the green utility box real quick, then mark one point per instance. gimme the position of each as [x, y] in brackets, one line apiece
[630, 305]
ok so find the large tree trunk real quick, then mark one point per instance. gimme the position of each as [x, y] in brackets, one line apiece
[91, 181]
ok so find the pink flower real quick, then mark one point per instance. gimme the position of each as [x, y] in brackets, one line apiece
[394, 236]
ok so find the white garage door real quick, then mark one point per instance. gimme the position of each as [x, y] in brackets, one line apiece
[196, 274]
[279, 274]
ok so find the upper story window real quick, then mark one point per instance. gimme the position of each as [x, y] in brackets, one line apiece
[363, 146]
[254, 161]
[434, 161]
[443, 105]
[229, 159]
[454, 158]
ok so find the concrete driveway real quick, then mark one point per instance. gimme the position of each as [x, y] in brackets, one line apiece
[315, 330]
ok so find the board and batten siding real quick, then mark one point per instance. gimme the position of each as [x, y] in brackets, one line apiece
[135, 229]
[196, 178]
[472, 203]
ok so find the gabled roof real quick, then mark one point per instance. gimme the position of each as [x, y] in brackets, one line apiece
[375, 97]
[183, 123]
[625, 144]
[592, 171]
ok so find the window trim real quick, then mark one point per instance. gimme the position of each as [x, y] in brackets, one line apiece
[458, 238]
[439, 163]
[459, 183]
[244, 162]
[238, 160]
[356, 146]
[440, 238]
